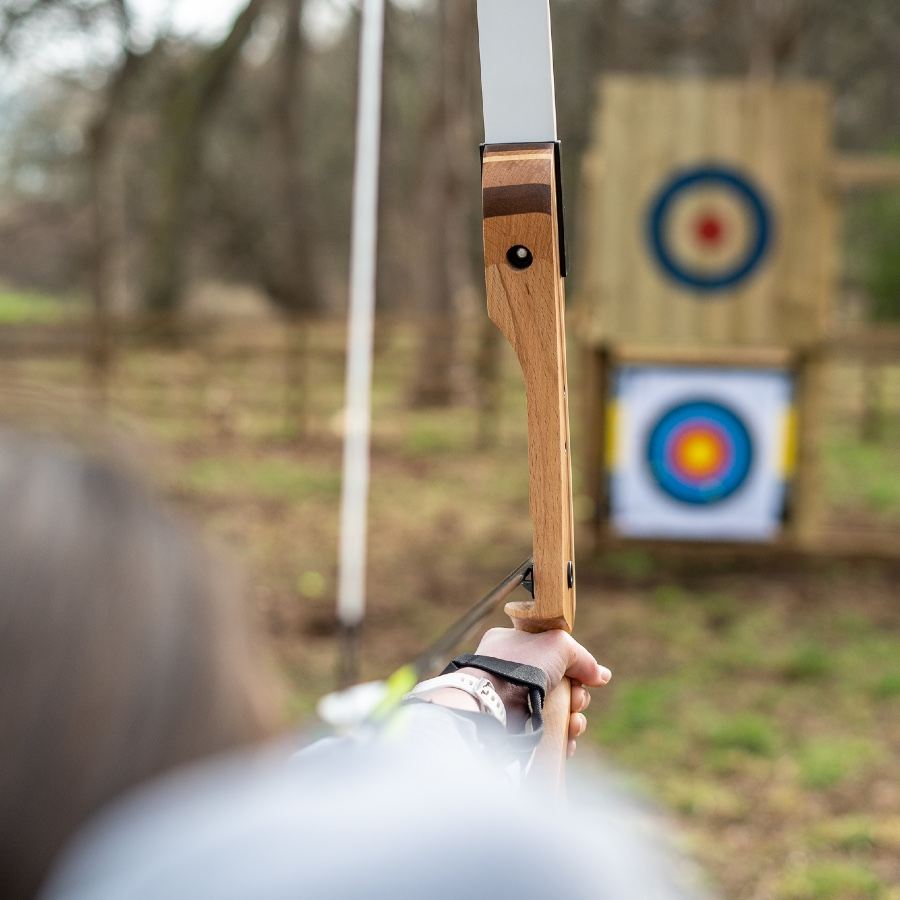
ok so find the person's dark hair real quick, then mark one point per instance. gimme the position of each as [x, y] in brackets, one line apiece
[124, 650]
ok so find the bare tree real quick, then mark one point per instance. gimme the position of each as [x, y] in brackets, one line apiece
[775, 31]
[101, 136]
[447, 198]
[106, 234]
[292, 280]
[187, 112]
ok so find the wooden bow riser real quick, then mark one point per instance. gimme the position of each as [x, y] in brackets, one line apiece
[527, 305]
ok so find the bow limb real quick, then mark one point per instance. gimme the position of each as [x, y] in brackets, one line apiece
[526, 299]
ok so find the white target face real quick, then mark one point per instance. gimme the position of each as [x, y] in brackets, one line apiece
[709, 229]
[700, 454]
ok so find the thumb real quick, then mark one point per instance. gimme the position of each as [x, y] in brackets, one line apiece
[580, 664]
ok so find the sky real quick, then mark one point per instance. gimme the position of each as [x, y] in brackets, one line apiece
[212, 17]
[188, 16]
[53, 52]
[209, 19]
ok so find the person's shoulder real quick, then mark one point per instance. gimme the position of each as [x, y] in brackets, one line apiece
[260, 824]
[342, 824]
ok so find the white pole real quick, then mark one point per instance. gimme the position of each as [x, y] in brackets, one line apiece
[358, 410]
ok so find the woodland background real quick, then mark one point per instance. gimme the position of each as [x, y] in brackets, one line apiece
[174, 222]
[137, 162]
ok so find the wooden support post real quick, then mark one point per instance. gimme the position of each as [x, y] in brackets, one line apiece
[808, 505]
[596, 389]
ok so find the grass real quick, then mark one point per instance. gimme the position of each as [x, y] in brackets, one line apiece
[286, 481]
[807, 661]
[639, 707]
[746, 733]
[28, 308]
[864, 476]
[887, 687]
[761, 707]
[832, 880]
[826, 763]
[438, 434]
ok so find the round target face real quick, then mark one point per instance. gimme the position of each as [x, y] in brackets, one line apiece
[709, 228]
[700, 452]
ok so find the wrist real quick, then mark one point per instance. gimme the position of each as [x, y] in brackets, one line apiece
[464, 691]
[514, 696]
[454, 698]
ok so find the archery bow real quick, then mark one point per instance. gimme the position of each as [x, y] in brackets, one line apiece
[524, 261]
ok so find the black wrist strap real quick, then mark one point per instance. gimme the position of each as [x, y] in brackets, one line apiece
[533, 679]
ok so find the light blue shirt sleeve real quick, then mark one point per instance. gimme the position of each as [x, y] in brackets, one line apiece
[424, 818]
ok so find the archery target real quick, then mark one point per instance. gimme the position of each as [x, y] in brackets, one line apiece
[699, 453]
[709, 228]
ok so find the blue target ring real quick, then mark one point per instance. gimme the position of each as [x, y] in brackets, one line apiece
[700, 453]
[737, 187]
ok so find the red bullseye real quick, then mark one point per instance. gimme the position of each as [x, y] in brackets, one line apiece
[710, 229]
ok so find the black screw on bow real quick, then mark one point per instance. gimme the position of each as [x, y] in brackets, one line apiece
[519, 257]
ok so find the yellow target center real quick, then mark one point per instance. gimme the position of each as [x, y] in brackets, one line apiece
[699, 454]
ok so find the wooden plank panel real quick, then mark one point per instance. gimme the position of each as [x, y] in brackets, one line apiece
[827, 272]
[755, 316]
[648, 299]
[588, 266]
[778, 137]
[804, 130]
[659, 125]
[706, 356]
[588, 298]
[723, 147]
[618, 117]
[689, 135]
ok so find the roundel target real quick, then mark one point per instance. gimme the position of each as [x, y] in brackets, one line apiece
[700, 452]
[709, 228]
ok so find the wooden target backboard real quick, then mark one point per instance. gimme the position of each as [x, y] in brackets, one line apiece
[706, 215]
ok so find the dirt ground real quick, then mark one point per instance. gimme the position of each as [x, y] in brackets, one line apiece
[757, 702]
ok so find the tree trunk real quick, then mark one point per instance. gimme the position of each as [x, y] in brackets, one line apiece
[184, 120]
[106, 238]
[293, 279]
[488, 384]
[392, 272]
[297, 288]
[445, 260]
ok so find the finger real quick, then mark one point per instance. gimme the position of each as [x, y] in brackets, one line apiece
[570, 749]
[581, 665]
[577, 726]
[581, 698]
